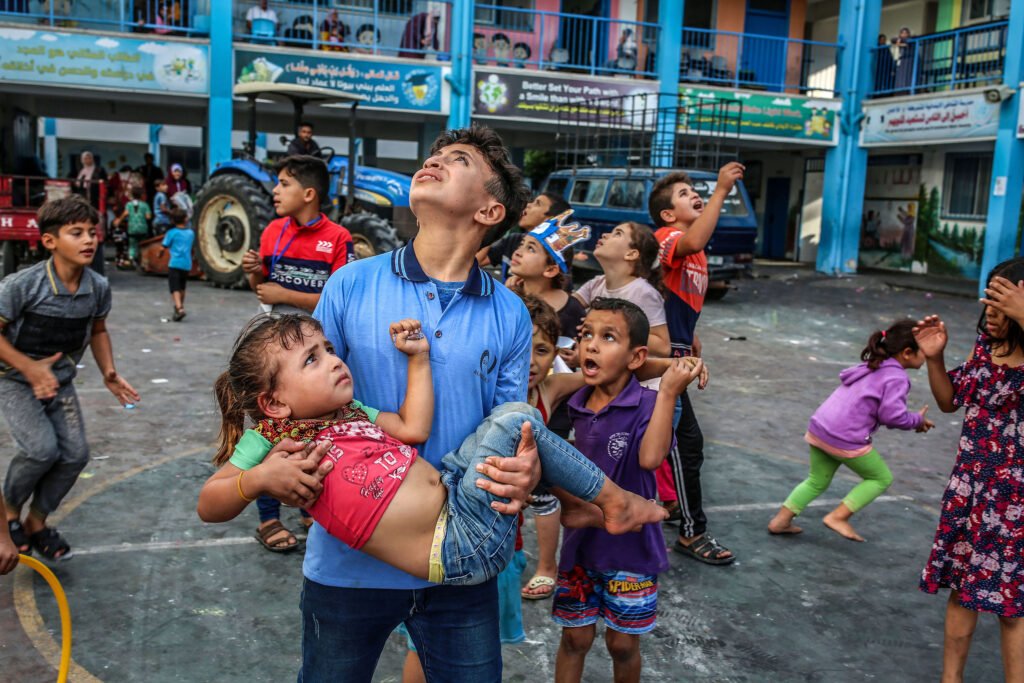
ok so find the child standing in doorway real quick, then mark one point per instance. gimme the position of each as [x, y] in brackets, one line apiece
[979, 544]
[872, 394]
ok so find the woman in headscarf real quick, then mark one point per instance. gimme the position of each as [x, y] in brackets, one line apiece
[88, 177]
[177, 182]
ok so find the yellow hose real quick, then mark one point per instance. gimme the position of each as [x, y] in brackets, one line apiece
[65, 614]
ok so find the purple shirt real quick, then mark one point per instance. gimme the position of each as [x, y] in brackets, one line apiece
[611, 438]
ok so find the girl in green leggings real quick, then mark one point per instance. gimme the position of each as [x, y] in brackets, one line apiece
[871, 394]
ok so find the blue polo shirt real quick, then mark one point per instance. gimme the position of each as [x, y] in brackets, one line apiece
[480, 347]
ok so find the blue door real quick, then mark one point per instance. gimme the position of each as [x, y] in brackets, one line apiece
[776, 218]
[763, 49]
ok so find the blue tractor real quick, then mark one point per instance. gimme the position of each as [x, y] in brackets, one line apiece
[235, 204]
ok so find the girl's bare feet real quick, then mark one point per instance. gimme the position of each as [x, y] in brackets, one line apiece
[838, 521]
[616, 510]
[579, 514]
[782, 523]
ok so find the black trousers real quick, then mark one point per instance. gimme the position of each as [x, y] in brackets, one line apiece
[686, 460]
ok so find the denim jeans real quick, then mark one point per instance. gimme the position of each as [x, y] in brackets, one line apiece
[479, 542]
[270, 508]
[454, 628]
[51, 450]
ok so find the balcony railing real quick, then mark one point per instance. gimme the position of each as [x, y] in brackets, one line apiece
[962, 58]
[523, 38]
[415, 29]
[747, 60]
[162, 17]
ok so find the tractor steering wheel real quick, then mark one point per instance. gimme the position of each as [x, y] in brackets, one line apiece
[326, 153]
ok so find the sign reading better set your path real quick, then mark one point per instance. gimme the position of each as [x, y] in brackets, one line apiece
[63, 58]
[386, 85]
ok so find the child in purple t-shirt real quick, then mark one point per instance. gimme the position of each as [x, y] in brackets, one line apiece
[627, 431]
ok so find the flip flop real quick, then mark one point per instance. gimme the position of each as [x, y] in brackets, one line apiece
[535, 583]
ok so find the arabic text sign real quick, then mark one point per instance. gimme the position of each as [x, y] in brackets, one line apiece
[64, 58]
[387, 85]
[536, 95]
[935, 119]
[773, 116]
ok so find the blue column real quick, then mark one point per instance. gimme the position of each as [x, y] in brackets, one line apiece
[846, 165]
[218, 146]
[50, 146]
[461, 77]
[1007, 173]
[670, 43]
[154, 141]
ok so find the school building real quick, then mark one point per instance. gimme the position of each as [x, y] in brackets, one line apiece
[876, 133]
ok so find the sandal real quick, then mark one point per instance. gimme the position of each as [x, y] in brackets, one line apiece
[19, 537]
[179, 315]
[282, 545]
[705, 549]
[538, 582]
[674, 511]
[50, 544]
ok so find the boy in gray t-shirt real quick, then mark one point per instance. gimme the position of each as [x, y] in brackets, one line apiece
[49, 314]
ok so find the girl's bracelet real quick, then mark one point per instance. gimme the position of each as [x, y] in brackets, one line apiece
[241, 493]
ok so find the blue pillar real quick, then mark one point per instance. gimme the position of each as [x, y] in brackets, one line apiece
[218, 146]
[154, 141]
[670, 43]
[261, 146]
[1007, 174]
[846, 164]
[461, 78]
[50, 147]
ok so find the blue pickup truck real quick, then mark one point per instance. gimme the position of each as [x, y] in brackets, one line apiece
[605, 197]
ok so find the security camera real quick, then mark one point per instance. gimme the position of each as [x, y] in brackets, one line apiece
[997, 95]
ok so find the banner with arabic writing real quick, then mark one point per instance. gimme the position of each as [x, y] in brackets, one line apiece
[942, 118]
[766, 116]
[65, 58]
[385, 84]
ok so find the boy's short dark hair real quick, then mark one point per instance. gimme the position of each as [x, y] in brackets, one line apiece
[661, 195]
[507, 184]
[308, 171]
[558, 203]
[636, 319]
[177, 215]
[136, 192]
[55, 214]
[543, 317]
[306, 124]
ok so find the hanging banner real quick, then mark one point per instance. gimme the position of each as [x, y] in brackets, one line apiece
[942, 118]
[541, 95]
[385, 84]
[64, 58]
[767, 116]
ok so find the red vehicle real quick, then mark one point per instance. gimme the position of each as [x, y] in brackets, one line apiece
[20, 199]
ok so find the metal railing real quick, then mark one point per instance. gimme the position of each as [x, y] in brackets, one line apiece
[748, 60]
[162, 17]
[416, 29]
[962, 58]
[524, 38]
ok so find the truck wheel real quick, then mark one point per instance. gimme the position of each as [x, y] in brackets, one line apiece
[8, 259]
[230, 213]
[371, 234]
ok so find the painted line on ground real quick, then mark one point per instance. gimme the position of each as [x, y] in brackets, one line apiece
[819, 503]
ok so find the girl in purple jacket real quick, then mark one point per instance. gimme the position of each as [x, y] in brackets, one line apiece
[873, 393]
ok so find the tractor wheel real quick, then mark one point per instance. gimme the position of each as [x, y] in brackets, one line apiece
[717, 291]
[8, 258]
[371, 234]
[230, 213]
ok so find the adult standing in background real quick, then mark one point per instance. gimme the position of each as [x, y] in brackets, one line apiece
[88, 177]
[905, 52]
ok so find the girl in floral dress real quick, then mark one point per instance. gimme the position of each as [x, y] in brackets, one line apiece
[979, 546]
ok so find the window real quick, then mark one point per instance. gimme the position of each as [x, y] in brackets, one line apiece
[733, 205]
[588, 192]
[494, 14]
[557, 185]
[626, 194]
[976, 11]
[966, 182]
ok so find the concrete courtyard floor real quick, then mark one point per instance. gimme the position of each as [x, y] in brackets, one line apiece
[156, 595]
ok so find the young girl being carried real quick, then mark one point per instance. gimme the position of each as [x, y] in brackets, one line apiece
[872, 394]
[979, 545]
[380, 497]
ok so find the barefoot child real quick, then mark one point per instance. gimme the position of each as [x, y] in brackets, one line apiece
[872, 394]
[179, 239]
[627, 431]
[381, 497]
[979, 544]
[49, 314]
